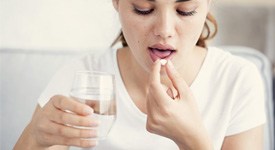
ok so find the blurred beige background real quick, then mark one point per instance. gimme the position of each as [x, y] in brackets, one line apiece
[248, 23]
[89, 24]
[247, 2]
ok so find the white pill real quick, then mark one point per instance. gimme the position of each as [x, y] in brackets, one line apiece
[163, 62]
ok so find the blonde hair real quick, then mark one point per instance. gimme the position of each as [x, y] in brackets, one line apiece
[206, 34]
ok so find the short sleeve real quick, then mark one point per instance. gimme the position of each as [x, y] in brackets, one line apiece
[248, 110]
[61, 82]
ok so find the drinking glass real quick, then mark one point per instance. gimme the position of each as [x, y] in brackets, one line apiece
[97, 90]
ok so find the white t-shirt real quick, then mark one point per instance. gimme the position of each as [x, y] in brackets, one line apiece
[228, 89]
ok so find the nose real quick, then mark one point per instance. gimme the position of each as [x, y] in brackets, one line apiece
[164, 26]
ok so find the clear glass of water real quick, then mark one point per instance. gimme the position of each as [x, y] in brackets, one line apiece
[97, 90]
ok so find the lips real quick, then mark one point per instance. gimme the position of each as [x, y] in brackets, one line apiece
[160, 51]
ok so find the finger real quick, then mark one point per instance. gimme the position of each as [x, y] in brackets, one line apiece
[156, 85]
[69, 104]
[156, 88]
[71, 132]
[78, 142]
[177, 81]
[63, 117]
[153, 105]
[155, 74]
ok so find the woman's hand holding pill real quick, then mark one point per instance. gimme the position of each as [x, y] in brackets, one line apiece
[174, 115]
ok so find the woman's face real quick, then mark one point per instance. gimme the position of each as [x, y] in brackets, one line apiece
[161, 29]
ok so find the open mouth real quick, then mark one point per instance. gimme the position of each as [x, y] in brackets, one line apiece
[157, 53]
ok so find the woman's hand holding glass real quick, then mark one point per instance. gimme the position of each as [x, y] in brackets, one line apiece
[74, 121]
[97, 90]
[52, 125]
[175, 115]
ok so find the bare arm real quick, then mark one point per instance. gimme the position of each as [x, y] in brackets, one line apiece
[251, 139]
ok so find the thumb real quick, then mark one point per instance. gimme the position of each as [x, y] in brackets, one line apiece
[177, 81]
[156, 89]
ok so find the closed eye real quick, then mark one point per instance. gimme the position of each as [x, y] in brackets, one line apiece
[147, 12]
[184, 13]
[143, 12]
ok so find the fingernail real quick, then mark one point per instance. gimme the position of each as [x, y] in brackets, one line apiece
[88, 111]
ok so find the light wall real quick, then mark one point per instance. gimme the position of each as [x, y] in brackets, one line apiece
[57, 24]
[66, 24]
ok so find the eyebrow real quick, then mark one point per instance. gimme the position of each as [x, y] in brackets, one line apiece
[177, 1]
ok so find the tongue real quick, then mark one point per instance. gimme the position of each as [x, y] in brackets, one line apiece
[161, 53]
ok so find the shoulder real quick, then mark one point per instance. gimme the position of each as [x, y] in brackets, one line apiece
[99, 60]
[227, 72]
[225, 62]
[62, 80]
[237, 88]
[228, 58]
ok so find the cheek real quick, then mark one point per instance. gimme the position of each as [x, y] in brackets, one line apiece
[198, 27]
[191, 30]
[134, 30]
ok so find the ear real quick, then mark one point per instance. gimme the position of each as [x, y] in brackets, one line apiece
[115, 4]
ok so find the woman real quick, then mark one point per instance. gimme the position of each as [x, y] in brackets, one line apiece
[174, 92]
